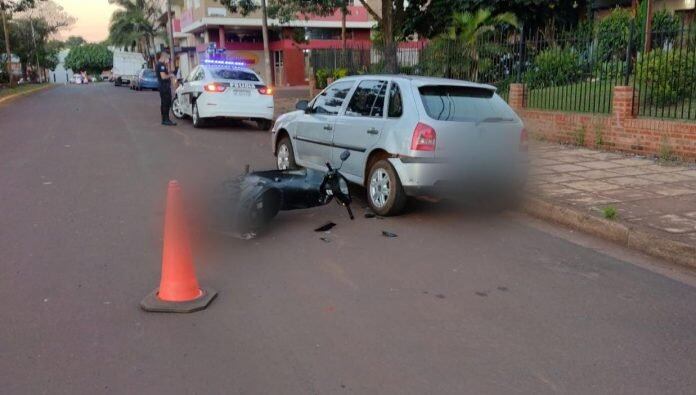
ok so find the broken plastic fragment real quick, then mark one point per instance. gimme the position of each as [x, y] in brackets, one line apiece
[325, 227]
[389, 234]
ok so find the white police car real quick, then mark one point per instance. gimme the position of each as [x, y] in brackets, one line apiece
[224, 89]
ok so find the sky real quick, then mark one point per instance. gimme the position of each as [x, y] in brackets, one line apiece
[92, 18]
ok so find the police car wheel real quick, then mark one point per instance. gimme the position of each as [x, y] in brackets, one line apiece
[176, 108]
[197, 120]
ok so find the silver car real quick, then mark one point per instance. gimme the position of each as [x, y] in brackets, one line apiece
[408, 136]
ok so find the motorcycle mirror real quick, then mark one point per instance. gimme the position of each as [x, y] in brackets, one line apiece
[301, 105]
[345, 155]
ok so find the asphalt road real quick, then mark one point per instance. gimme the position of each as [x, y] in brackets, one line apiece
[456, 304]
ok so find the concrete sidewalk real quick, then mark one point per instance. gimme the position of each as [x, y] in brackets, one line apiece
[656, 198]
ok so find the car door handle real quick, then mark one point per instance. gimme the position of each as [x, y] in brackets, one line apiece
[372, 131]
[328, 127]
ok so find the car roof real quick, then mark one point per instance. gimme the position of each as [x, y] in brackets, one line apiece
[419, 80]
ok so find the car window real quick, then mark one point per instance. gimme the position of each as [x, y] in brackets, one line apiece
[463, 103]
[192, 75]
[330, 101]
[232, 74]
[368, 99]
[396, 104]
[149, 74]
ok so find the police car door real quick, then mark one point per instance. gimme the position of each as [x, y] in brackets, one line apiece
[187, 91]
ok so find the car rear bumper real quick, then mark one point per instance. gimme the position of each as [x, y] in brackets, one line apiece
[428, 177]
[209, 109]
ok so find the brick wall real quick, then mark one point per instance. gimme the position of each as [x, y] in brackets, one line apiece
[619, 131]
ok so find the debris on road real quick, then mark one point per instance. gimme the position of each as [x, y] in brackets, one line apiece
[325, 239]
[389, 234]
[326, 227]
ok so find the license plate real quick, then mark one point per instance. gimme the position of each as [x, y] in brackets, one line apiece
[240, 92]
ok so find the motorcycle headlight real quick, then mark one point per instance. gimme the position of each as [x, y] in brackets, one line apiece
[343, 186]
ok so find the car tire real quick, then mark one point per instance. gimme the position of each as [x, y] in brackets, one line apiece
[196, 118]
[176, 106]
[285, 155]
[264, 124]
[385, 194]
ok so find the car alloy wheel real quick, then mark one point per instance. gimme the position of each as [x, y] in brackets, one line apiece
[283, 157]
[176, 108]
[195, 116]
[380, 188]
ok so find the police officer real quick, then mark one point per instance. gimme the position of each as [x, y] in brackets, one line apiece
[165, 88]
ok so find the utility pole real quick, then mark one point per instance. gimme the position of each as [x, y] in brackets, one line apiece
[648, 27]
[264, 33]
[170, 35]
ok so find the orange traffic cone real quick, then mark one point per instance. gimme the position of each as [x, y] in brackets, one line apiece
[179, 291]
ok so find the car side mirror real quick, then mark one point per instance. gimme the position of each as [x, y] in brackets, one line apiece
[302, 105]
[345, 155]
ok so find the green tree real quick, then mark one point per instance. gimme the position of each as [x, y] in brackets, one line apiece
[75, 41]
[93, 58]
[7, 8]
[134, 25]
[430, 18]
[465, 49]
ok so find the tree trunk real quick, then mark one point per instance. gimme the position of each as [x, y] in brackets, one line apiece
[344, 11]
[264, 32]
[387, 25]
[8, 50]
[648, 27]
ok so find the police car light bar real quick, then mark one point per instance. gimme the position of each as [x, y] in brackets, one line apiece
[220, 62]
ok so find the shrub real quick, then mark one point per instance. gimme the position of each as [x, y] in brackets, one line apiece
[611, 71]
[340, 73]
[554, 66]
[667, 76]
[321, 76]
[613, 33]
[665, 28]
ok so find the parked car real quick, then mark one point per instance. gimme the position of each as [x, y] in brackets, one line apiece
[146, 79]
[224, 90]
[79, 79]
[408, 136]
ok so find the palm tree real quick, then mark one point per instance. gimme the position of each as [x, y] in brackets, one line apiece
[135, 25]
[469, 29]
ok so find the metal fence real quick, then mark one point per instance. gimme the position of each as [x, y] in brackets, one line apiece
[567, 70]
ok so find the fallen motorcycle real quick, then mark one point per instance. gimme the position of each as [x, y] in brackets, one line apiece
[246, 205]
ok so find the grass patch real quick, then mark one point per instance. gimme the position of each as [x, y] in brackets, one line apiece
[609, 212]
[4, 92]
[590, 96]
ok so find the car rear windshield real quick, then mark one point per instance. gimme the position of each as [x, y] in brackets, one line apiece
[463, 104]
[149, 74]
[231, 74]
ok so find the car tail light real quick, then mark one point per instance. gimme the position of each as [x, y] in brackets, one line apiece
[424, 138]
[266, 90]
[215, 87]
[524, 141]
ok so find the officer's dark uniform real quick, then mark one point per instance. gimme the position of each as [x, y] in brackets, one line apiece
[165, 91]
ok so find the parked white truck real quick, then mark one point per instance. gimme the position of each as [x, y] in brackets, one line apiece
[126, 67]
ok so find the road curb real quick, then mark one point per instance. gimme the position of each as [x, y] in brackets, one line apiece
[670, 250]
[25, 93]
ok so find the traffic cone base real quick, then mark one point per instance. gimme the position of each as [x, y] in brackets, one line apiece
[153, 303]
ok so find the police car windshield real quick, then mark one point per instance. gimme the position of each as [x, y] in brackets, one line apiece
[232, 74]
